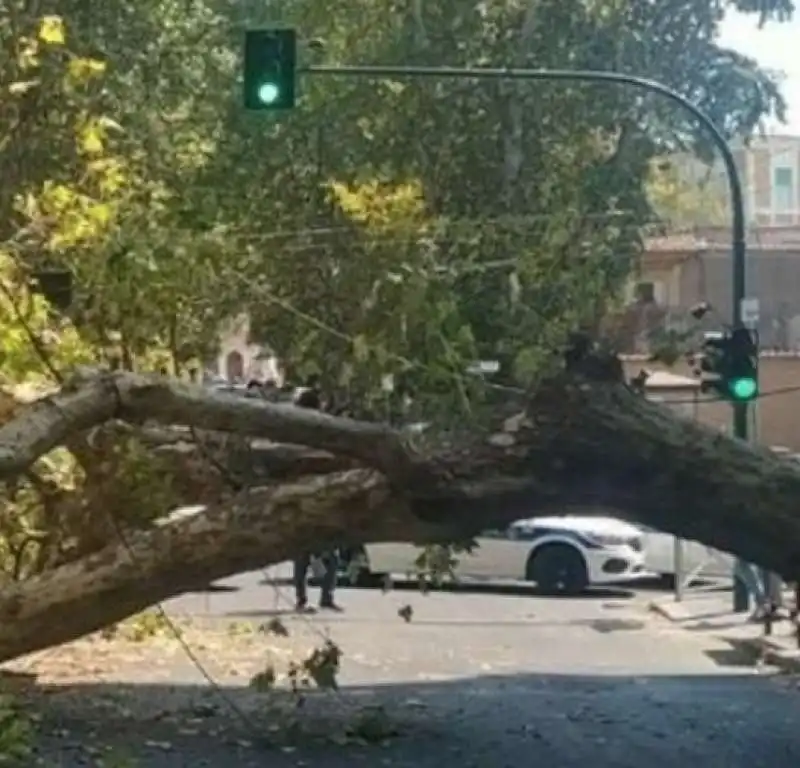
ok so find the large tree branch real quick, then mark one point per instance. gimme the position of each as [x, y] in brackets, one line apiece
[90, 401]
[577, 442]
[581, 440]
[597, 445]
[186, 552]
[51, 421]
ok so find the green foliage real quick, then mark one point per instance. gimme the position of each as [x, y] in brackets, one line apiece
[141, 627]
[436, 563]
[319, 669]
[463, 220]
[16, 733]
[683, 195]
[59, 512]
[383, 228]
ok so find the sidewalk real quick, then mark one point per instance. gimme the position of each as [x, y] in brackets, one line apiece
[711, 612]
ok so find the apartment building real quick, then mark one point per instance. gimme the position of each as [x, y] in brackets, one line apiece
[683, 268]
[769, 168]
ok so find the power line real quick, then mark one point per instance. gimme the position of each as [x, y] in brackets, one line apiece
[186, 647]
[189, 652]
[255, 730]
[703, 400]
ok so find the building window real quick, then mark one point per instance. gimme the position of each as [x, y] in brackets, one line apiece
[234, 366]
[783, 190]
[645, 292]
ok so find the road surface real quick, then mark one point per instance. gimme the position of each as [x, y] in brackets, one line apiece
[473, 680]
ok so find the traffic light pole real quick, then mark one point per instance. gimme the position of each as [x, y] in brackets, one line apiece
[739, 246]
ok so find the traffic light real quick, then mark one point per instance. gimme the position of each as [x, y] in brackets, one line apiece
[712, 363]
[741, 372]
[270, 63]
[729, 365]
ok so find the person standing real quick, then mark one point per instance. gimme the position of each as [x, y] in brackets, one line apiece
[270, 391]
[253, 388]
[328, 561]
[310, 396]
[750, 575]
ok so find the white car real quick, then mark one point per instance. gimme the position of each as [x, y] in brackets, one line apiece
[560, 554]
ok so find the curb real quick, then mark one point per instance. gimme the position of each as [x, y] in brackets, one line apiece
[766, 651]
[658, 607]
[762, 649]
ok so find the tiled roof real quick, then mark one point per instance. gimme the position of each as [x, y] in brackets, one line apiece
[684, 242]
[641, 357]
[719, 238]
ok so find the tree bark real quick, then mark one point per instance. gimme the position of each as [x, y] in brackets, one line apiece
[577, 442]
[188, 551]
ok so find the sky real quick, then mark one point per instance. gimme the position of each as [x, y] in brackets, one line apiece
[774, 47]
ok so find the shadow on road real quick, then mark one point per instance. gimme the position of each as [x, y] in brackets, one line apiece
[212, 589]
[604, 626]
[740, 654]
[608, 721]
[516, 589]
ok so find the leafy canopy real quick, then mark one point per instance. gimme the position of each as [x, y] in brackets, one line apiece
[383, 228]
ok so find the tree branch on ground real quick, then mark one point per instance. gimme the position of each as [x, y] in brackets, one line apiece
[582, 440]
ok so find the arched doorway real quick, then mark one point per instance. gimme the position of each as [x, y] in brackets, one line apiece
[234, 366]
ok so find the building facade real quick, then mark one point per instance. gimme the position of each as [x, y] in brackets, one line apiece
[769, 168]
[681, 270]
[678, 272]
[239, 359]
[774, 420]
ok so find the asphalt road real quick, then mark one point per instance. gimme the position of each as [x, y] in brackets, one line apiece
[473, 680]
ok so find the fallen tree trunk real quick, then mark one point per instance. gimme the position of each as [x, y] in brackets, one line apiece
[577, 442]
[189, 551]
[597, 444]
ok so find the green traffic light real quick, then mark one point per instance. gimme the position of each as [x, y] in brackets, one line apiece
[268, 93]
[744, 389]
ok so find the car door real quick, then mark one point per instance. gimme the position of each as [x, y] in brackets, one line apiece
[659, 551]
[498, 556]
[400, 559]
[395, 558]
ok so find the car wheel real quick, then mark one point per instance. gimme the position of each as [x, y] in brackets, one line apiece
[558, 569]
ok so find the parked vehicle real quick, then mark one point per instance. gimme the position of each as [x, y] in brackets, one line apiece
[560, 554]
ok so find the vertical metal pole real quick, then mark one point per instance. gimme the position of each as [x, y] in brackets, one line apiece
[741, 599]
[796, 613]
[680, 575]
[773, 583]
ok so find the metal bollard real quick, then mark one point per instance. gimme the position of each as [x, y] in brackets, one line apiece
[796, 612]
[769, 618]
